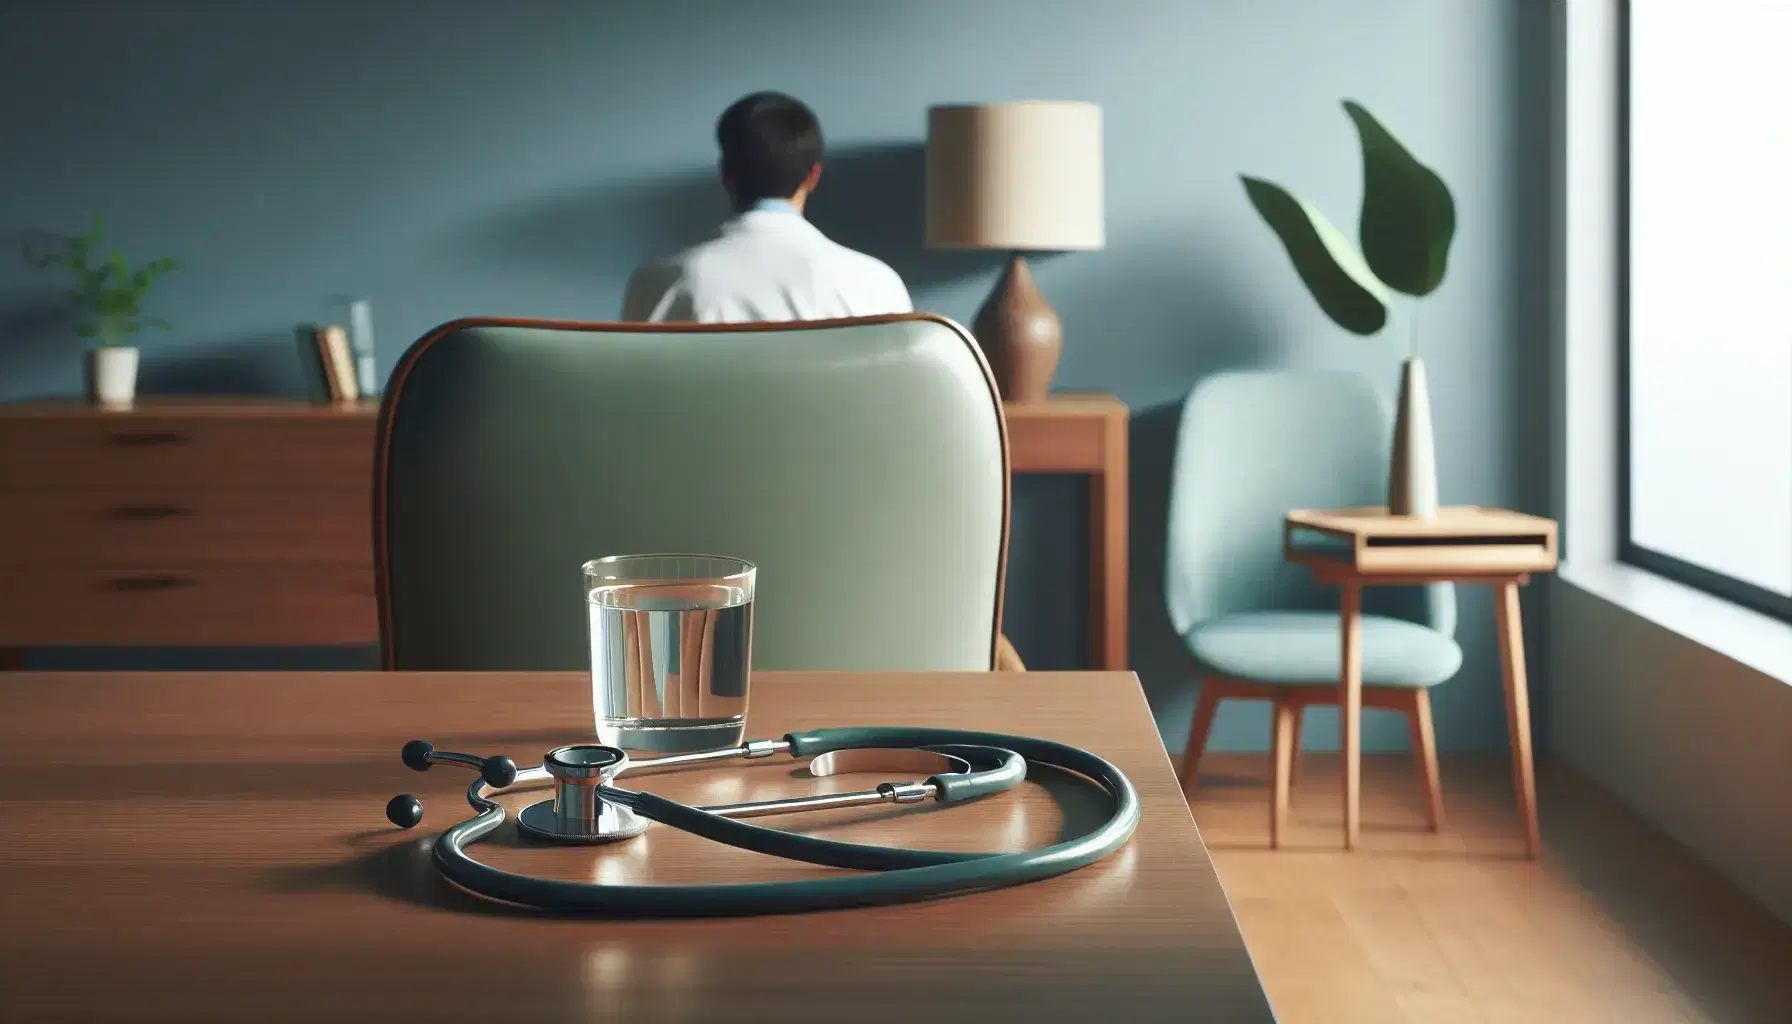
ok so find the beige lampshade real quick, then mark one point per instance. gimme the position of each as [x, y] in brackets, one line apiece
[1022, 176]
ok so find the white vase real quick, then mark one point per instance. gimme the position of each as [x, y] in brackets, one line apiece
[1412, 472]
[112, 376]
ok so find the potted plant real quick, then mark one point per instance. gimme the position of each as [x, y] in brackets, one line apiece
[108, 298]
[1407, 223]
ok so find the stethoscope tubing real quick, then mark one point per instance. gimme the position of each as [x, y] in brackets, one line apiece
[899, 875]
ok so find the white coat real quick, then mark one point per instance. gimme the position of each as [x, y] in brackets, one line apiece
[767, 264]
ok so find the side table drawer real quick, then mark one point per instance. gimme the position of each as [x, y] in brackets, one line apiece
[219, 607]
[1057, 445]
[148, 449]
[170, 526]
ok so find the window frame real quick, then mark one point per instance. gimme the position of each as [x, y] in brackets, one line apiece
[1717, 584]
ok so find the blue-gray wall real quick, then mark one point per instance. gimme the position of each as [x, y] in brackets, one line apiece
[449, 158]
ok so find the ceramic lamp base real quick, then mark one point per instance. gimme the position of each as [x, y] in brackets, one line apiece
[1020, 335]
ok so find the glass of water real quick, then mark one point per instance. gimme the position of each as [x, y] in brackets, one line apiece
[671, 650]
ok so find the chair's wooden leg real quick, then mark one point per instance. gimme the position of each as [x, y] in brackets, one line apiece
[1424, 749]
[1300, 713]
[1518, 712]
[1350, 706]
[1282, 754]
[1205, 705]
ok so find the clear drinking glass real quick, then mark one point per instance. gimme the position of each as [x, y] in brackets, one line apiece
[671, 650]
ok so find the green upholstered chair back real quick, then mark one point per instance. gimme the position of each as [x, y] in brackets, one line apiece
[861, 465]
[1252, 445]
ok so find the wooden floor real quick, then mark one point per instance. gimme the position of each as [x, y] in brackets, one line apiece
[1614, 923]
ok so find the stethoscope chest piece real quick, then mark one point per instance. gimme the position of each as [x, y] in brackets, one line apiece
[578, 812]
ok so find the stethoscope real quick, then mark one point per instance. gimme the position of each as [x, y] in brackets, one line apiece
[587, 807]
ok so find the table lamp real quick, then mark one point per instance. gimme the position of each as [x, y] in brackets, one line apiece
[1017, 177]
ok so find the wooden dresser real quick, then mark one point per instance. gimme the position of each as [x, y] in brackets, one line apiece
[249, 522]
[186, 523]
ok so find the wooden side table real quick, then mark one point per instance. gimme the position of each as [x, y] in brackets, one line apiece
[1086, 434]
[1362, 547]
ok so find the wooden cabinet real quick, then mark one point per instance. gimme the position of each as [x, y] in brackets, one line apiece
[186, 523]
[249, 522]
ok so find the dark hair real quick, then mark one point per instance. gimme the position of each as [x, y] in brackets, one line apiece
[770, 142]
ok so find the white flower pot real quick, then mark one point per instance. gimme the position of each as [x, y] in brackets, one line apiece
[112, 376]
[1412, 472]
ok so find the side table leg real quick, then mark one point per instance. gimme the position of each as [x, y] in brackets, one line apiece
[1350, 706]
[1518, 713]
[1107, 564]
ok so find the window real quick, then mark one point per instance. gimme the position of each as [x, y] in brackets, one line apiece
[1706, 299]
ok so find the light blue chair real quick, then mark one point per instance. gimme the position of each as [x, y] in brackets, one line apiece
[1253, 445]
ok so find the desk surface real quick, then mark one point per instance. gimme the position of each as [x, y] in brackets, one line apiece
[189, 846]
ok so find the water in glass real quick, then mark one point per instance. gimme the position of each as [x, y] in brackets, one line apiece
[670, 661]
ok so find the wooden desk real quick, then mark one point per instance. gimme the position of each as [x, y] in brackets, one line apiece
[1086, 434]
[213, 846]
[1463, 544]
[245, 522]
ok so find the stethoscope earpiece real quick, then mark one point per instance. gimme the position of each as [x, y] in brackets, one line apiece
[404, 810]
[498, 772]
[416, 755]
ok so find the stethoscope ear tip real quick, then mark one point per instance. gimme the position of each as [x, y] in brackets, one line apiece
[416, 754]
[404, 810]
[498, 772]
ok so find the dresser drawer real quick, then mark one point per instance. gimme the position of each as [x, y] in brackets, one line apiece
[169, 526]
[140, 448]
[248, 607]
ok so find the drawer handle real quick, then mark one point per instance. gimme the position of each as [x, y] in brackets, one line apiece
[148, 511]
[147, 438]
[139, 583]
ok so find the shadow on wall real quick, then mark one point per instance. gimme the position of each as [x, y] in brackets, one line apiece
[41, 344]
[260, 365]
[870, 198]
[1529, 257]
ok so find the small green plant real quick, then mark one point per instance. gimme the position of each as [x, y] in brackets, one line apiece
[107, 295]
[1407, 223]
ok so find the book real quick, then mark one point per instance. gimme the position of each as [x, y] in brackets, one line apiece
[325, 363]
[314, 369]
[341, 363]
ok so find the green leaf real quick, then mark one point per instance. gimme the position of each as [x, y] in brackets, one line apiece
[86, 330]
[1330, 267]
[1408, 218]
[117, 303]
[130, 327]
